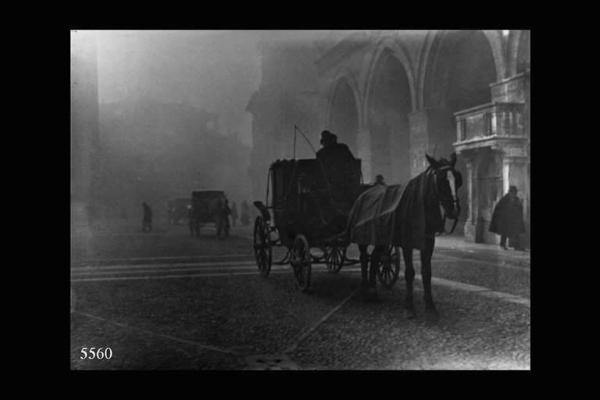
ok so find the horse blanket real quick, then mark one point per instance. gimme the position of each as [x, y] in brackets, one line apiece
[372, 219]
[390, 215]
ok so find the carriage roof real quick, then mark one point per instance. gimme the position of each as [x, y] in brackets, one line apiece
[207, 192]
[286, 171]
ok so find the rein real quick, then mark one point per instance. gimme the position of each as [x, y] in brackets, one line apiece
[431, 170]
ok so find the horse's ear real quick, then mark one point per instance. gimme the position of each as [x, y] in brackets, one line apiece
[432, 161]
[453, 159]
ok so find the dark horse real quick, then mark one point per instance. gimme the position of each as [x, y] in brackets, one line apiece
[427, 201]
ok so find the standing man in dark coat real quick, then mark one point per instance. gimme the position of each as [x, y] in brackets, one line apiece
[507, 219]
[147, 221]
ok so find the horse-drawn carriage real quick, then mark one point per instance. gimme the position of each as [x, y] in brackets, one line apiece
[310, 208]
[206, 209]
[307, 212]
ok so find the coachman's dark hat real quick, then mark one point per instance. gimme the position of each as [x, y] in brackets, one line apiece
[327, 136]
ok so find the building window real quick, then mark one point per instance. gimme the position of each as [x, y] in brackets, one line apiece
[463, 129]
[487, 124]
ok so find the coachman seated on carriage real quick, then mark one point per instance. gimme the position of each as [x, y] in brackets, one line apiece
[337, 161]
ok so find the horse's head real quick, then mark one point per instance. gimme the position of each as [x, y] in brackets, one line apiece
[447, 181]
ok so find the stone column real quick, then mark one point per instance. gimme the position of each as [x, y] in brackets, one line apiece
[431, 130]
[471, 174]
[419, 141]
[363, 143]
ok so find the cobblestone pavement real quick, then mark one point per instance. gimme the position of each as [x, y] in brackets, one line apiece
[167, 301]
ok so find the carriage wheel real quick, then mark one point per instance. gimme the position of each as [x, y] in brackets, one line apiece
[389, 267]
[263, 251]
[300, 259]
[334, 258]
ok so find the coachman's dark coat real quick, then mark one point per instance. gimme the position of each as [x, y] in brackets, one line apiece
[507, 219]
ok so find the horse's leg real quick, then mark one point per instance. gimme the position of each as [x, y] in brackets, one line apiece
[364, 265]
[409, 277]
[375, 260]
[426, 254]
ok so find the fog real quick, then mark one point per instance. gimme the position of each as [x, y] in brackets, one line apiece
[215, 71]
[171, 117]
[169, 109]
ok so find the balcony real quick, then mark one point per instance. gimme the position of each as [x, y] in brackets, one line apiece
[489, 122]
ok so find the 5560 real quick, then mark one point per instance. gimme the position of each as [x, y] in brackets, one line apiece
[99, 353]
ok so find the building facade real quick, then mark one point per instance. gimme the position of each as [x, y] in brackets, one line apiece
[84, 125]
[393, 96]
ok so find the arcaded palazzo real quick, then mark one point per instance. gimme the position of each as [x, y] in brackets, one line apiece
[393, 96]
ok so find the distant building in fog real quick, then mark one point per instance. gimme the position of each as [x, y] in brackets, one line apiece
[84, 124]
[392, 96]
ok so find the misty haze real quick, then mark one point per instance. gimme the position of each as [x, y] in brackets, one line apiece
[255, 199]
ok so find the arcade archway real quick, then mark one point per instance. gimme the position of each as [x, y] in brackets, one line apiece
[387, 117]
[459, 73]
[344, 116]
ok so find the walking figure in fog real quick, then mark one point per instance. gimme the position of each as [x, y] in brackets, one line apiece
[226, 213]
[147, 221]
[192, 221]
[234, 213]
[220, 214]
[507, 219]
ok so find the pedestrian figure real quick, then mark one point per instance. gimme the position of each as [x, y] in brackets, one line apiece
[147, 221]
[226, 214]
[379, 180]
[245, 217]
[191, 220]
[234, 213]
[507, 219]
[222, 218]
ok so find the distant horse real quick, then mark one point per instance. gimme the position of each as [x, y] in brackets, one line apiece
[211, 210]
[418, 218]
[219, 212]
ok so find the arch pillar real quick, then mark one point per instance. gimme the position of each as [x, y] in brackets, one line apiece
[363, 143]
[429, 130]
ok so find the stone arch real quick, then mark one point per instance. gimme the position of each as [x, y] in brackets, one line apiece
[523, 57]
[430, 52]
[518, 50]
[389, 46]
[389, 99]
[343, 116]
[460, 47]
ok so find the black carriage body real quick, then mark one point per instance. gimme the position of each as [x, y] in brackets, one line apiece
[201, 204]
[304, 201]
